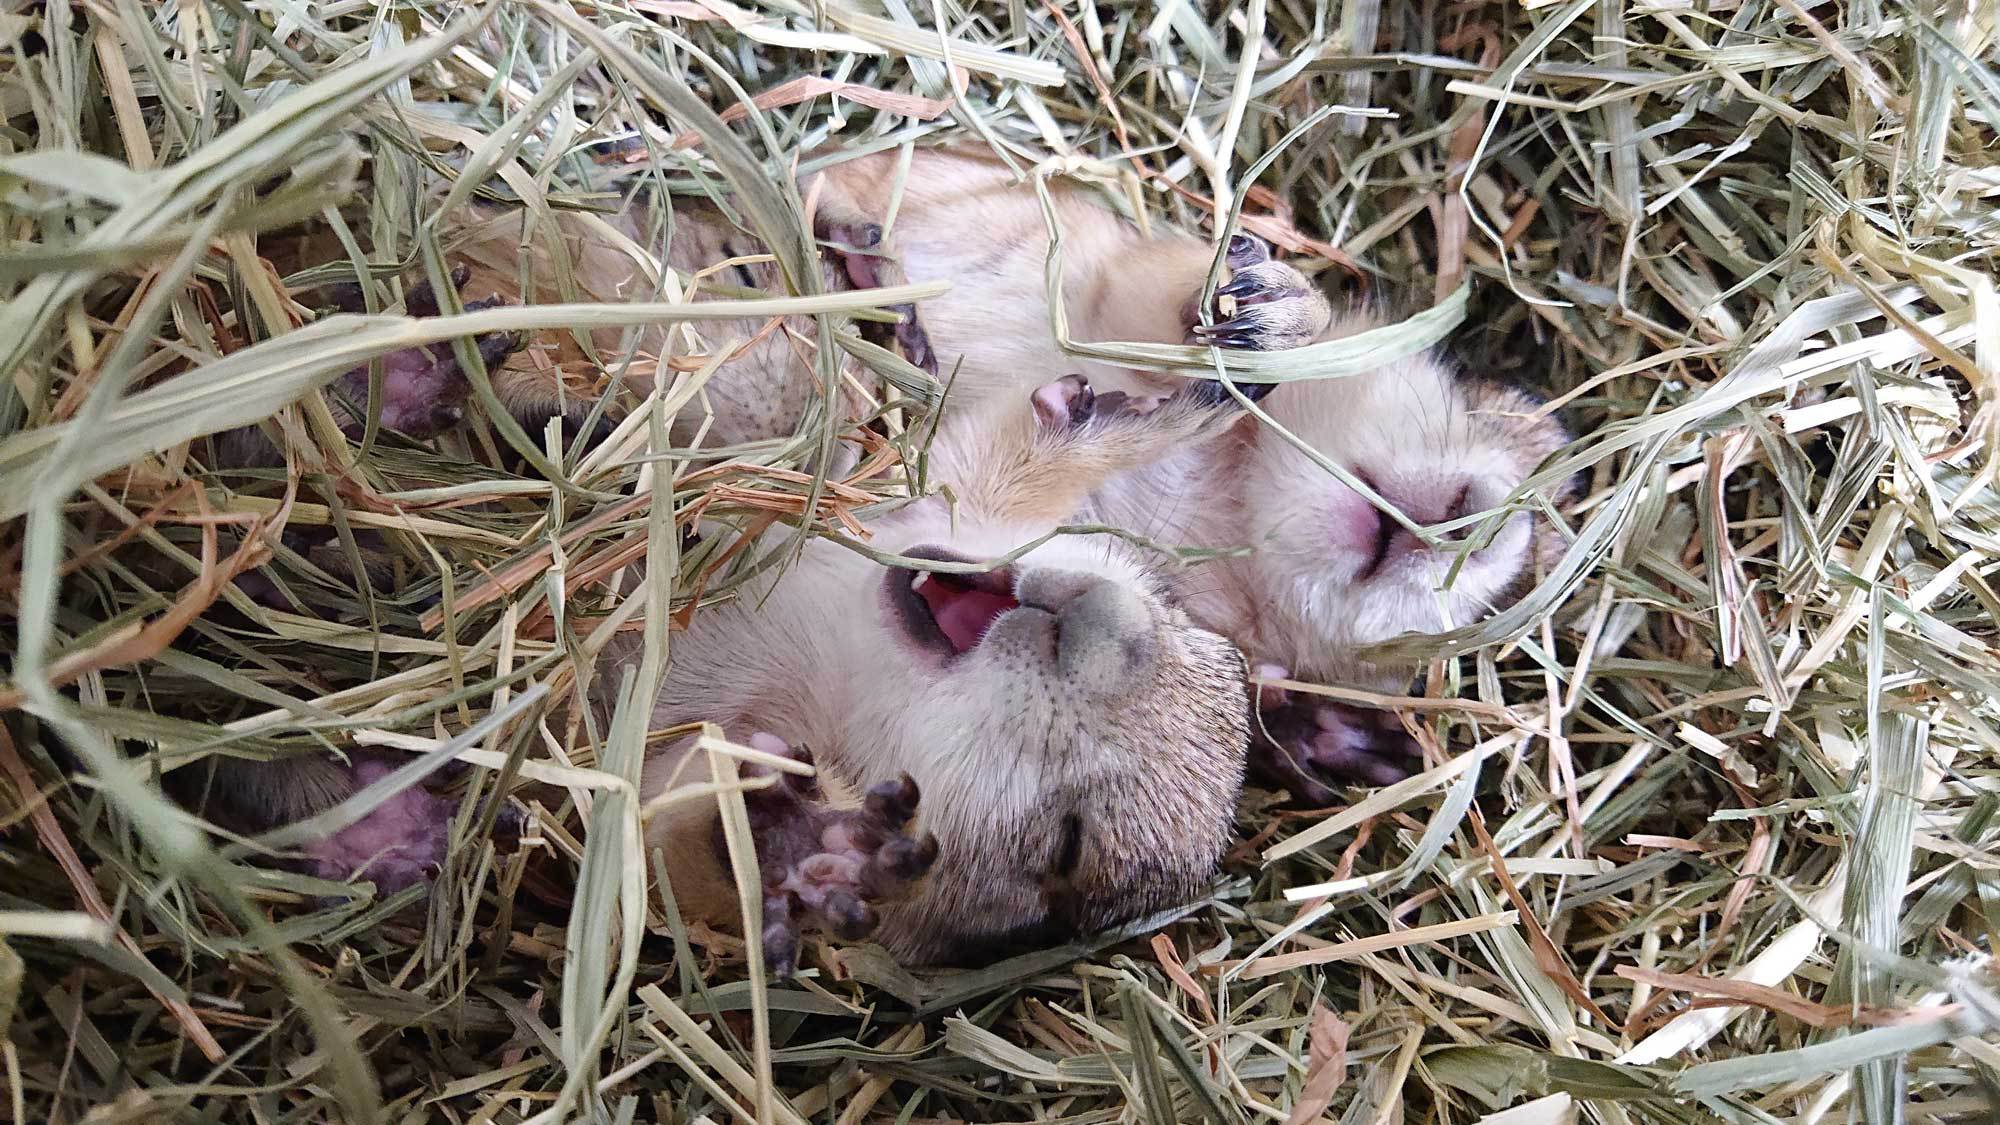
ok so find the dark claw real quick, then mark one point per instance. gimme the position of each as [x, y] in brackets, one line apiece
[1247, 250]
[906, 859]
[1211, 392]
[1242, 285]
[1240, 341]
[1273, 308]
[1231, 334]
[851, 918]
[827, 867]
[894, 802]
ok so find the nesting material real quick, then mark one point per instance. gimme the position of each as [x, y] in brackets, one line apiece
[1714, 843]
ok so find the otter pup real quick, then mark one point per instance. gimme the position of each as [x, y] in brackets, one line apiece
[1076, 740]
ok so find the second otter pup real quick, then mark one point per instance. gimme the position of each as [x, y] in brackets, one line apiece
[1330, 573]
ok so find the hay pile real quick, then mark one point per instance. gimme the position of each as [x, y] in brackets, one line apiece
[1717, 849]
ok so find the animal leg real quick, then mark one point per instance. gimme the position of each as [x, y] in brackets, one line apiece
[399, 843]
[1309, 745]
[1265, 306]
[1082, 439]
[829, 868]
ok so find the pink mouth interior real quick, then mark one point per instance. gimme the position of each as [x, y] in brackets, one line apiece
[963, 613]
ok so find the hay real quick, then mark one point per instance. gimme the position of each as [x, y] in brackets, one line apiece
[1715, 843]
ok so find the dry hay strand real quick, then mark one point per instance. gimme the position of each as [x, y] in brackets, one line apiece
[1712, 841]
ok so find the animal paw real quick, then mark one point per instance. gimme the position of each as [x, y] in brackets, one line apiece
[829, 868]
[857, 246]
[401, 842]
[423, 388]
[1265, 306]
[1308, 745]
[1070, 403]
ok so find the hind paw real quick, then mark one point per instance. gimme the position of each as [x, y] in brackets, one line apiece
[828, 868]
[423, 388]
[1308, 745]
[402, 841]
[857, 246]
[1265, 306]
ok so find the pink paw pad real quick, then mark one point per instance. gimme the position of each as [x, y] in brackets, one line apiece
[1309, 746]
[825, 867]
[424, 389]
[400, 843]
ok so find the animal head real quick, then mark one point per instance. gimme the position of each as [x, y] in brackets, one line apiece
[1079, 742]
[1438, 446]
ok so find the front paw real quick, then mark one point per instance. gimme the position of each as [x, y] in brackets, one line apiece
[828, 868]
[1265, 306]
[423, 388]
[857, 246]
[1070, 404]
[1308, 745]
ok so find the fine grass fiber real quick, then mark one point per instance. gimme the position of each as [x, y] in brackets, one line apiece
[1715, 840]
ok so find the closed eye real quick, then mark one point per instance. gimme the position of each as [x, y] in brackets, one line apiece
[1069, 848]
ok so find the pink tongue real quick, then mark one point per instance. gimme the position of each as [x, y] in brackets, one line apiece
[963, 615]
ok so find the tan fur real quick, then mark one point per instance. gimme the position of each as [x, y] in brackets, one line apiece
[1304, 600]
[757, 395]
[1109, 727]
[963, 218]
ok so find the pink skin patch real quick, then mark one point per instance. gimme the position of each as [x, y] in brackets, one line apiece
[1309, 745]
[963, 614]
[399, 844]
[1052, 403]
[1354, 524]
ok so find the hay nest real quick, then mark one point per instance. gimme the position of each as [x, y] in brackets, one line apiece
[1713, 843]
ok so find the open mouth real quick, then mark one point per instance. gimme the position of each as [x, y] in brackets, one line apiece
[948, 613]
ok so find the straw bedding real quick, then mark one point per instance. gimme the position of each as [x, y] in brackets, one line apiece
[1716, 841]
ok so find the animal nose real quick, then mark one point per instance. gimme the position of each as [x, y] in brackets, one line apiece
[1104, 629]
[1429, 501]
[1424, 501]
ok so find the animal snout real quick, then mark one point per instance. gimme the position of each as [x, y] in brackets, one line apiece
[1425, 501]
[1430, 499]
[1105, 631]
